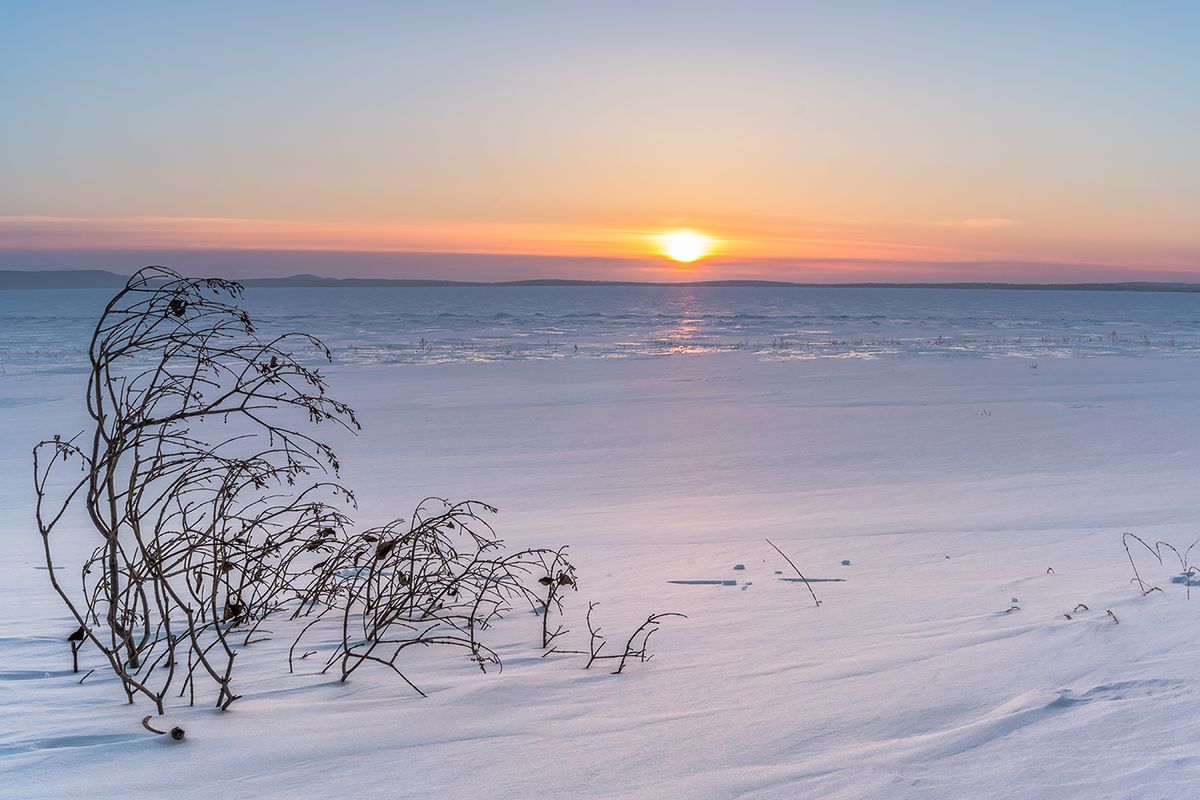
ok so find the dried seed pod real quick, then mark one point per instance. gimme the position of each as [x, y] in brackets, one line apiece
[177, 733]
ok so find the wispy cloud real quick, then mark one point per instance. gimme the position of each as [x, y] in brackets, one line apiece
[968, 223]
[983, 223]
[153, 232]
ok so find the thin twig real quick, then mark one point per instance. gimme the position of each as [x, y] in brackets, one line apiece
[798, 572]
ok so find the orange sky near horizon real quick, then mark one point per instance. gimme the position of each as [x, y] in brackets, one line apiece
[742, 248]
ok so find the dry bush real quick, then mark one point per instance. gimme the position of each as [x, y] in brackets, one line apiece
[199, 479]
[216, 509]
[441, 579]
[1187, 571]
[637, 646]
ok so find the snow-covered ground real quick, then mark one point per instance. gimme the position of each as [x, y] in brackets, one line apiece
[956, 488]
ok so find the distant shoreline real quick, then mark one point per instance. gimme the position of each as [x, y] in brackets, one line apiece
[102, 279]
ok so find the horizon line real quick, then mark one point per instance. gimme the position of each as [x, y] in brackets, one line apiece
[497, 268]
[102, 279]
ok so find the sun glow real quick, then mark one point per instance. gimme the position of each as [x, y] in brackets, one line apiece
[685, 246]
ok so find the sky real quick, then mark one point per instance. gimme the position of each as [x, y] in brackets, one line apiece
[810, 141]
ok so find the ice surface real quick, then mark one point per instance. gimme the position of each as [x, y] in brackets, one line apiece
[47, 330]
[908, 681]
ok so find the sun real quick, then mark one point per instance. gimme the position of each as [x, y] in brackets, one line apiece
[685, 246]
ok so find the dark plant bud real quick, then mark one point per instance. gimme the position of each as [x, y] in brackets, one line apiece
[78, 635]
[565, 580]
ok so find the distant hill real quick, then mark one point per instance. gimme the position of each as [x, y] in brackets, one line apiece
[101, 279]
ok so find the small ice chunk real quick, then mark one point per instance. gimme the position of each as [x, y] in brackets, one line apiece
[846, 562]
[1015, 600]
[739, 566]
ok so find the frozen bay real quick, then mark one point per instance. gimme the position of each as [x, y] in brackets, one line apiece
[952, 485]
